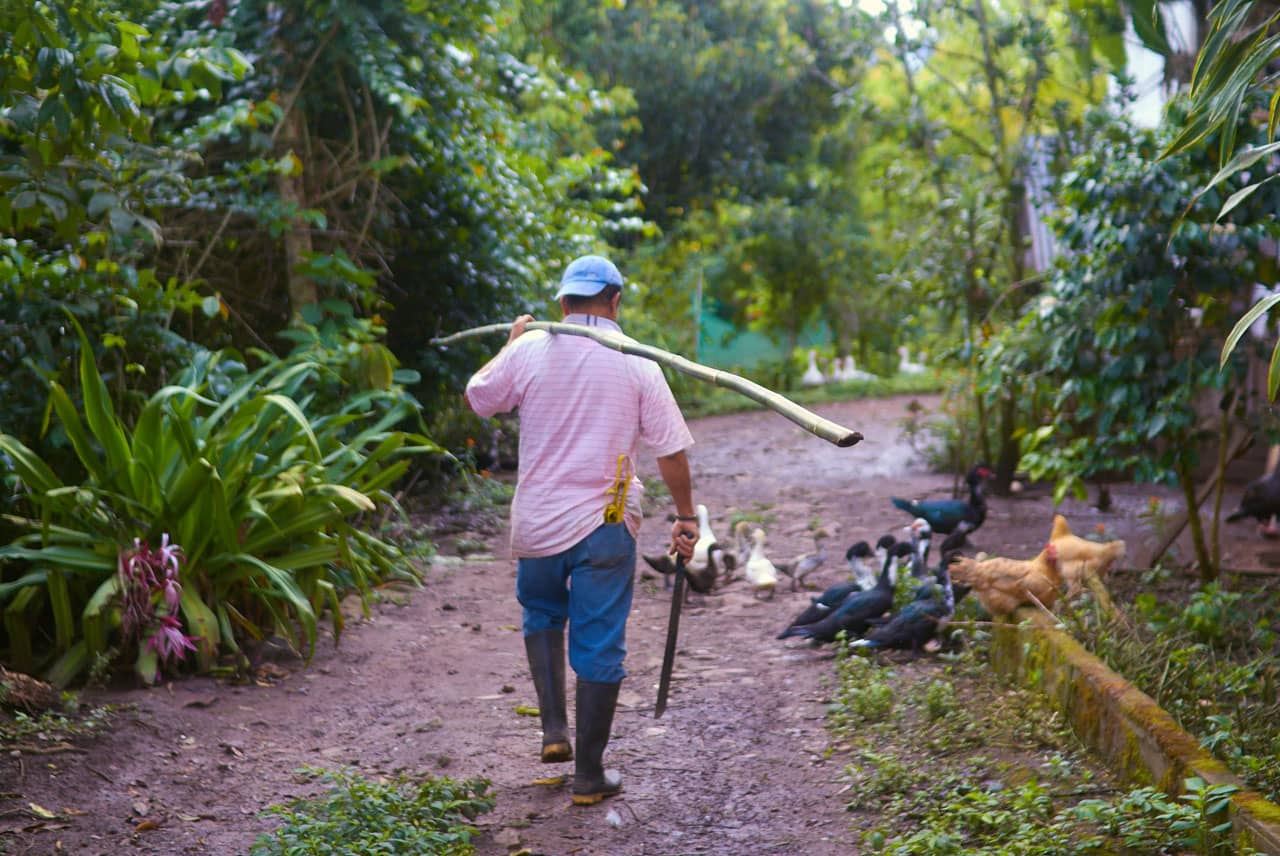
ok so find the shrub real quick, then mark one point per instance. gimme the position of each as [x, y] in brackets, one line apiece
[228, 465]
[404, 817]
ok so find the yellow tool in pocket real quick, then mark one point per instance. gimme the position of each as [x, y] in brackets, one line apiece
[617, 506]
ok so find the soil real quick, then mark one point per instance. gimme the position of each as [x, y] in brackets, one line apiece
[429, 682]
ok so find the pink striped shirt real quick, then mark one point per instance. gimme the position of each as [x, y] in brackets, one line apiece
[581, 406]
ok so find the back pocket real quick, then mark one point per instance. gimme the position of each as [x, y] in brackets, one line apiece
[610, 546]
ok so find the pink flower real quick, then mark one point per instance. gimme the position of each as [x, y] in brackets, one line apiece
[147, 578]
[168, 640]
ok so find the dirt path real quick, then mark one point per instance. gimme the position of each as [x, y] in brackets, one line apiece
[429, 683]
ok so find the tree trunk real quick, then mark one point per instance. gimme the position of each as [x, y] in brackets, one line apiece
[1208, 570]
[297, 238]
[1008, 458]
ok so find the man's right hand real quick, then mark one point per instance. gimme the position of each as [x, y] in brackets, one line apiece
[517, 328]
[684, 534]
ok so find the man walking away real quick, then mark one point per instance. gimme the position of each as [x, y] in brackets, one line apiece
[583, 408]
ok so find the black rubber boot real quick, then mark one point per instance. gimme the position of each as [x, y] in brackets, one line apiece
[546, 661]
[591, 781]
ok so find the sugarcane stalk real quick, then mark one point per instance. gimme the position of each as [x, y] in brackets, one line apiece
[806, 419]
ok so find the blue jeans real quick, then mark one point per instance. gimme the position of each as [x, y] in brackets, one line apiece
[590, 586]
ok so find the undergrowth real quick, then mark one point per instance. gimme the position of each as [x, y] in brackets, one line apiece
[20, 730]
[947, 759]
[1211, 663]
[404, 816]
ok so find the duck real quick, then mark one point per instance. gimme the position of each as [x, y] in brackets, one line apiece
[704, 567]
[918, 622]
[812, 375]
[1261, 501]
[852, 372]
[863, 575]
[905, 366]
[806, 563]
[855, 613]
[821, 606]
[920, 534]
[957, 517]
[761, 573]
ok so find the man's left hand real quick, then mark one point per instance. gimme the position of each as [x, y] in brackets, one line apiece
[517, 328]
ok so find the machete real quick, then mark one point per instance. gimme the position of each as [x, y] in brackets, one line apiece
[673, 629]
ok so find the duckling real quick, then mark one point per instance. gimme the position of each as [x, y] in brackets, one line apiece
[761, 573]
[806, 563]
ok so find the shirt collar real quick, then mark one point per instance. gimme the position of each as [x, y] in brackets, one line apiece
[585, 320]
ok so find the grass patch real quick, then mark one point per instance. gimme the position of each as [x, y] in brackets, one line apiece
[945, 758]
[1210, 662]
[403, 816]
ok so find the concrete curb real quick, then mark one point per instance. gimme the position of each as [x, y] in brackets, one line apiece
[1140, 741]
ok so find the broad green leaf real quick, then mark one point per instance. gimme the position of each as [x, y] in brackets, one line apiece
[1242, 194]
[33, 471]
[1242, 326]
[1273, 373]
[202, 624]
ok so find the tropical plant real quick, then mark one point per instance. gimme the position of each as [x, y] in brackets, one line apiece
[1234, 60]
[227, 464]
[1127, 337]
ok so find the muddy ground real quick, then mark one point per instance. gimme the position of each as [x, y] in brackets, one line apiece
[430, 682]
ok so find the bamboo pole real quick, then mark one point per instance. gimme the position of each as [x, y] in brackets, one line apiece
[806, 419]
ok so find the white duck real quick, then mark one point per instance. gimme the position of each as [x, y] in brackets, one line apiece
[706, 540]
[812, 375]
[905, 366]
[855, 373]
[761, 573]
[707, 562]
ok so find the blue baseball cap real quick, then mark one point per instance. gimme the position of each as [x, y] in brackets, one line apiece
[587, 276]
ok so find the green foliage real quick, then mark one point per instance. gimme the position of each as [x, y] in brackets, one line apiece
[1208, 663]
[53, 727]
[1024, 821]
[865, 692]
[84, 184]
[230, 466]
[1120, 398]
[414, 817]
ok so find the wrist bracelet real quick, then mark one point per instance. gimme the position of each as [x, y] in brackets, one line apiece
[686, 517]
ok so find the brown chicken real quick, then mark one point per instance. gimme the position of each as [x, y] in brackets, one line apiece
[1002, 585]
[1079, 560]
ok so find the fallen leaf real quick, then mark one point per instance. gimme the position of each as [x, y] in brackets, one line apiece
[526, 710]
[146, 825]
[41, 811]
[508, 627]
[205, 701]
